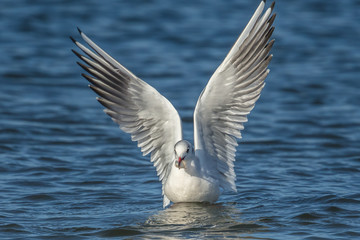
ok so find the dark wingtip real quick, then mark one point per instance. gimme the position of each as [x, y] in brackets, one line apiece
[79, 30]
[87, 77]
[270, 32]
[272, 5]
[96, 90]
[83, 66]
[270, 44]
[76, 53]
[268, 58]
[72, 39]
[274, 15]
[272, 19]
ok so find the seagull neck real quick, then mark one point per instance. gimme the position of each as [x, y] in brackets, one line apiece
[192, 165]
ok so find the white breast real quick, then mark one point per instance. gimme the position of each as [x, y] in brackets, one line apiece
[195, 187]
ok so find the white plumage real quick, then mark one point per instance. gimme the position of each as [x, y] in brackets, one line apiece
[188, 174]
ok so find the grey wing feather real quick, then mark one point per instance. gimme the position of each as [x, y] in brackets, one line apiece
[230, 95]
[137, 107]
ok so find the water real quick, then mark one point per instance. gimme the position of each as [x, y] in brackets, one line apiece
[68, 172]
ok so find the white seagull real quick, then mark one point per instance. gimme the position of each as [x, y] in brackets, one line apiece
[188, 173]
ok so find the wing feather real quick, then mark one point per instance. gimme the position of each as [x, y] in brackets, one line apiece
[137, 107]
[230, 95]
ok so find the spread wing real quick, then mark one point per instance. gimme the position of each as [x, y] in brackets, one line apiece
[137, 107]
[230, 95]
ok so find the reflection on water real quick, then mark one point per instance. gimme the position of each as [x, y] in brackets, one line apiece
[211, 220]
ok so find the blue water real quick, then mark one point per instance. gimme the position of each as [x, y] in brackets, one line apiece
[68, 172]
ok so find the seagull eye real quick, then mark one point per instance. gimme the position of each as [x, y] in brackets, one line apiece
[187, 150]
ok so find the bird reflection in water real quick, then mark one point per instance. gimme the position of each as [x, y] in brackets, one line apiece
[213, 220]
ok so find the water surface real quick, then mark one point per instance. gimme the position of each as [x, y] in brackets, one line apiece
[68, 172]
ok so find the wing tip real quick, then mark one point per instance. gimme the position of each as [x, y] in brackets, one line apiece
[82, 34]
[79, 30]
[87, 77]
[272, 5]
[270, 32]
[272, 19]
[76, 53]
[261, 5]
[268, 58]
[270, 44]
[83, 66]
[72, 39]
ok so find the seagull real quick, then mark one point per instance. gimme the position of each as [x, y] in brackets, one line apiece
[188, 173]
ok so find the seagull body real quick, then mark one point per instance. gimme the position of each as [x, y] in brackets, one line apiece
[189, 177]
[188, 173]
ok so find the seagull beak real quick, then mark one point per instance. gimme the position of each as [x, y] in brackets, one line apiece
[179, 162]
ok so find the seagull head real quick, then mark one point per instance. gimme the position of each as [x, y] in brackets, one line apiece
[182, 149]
